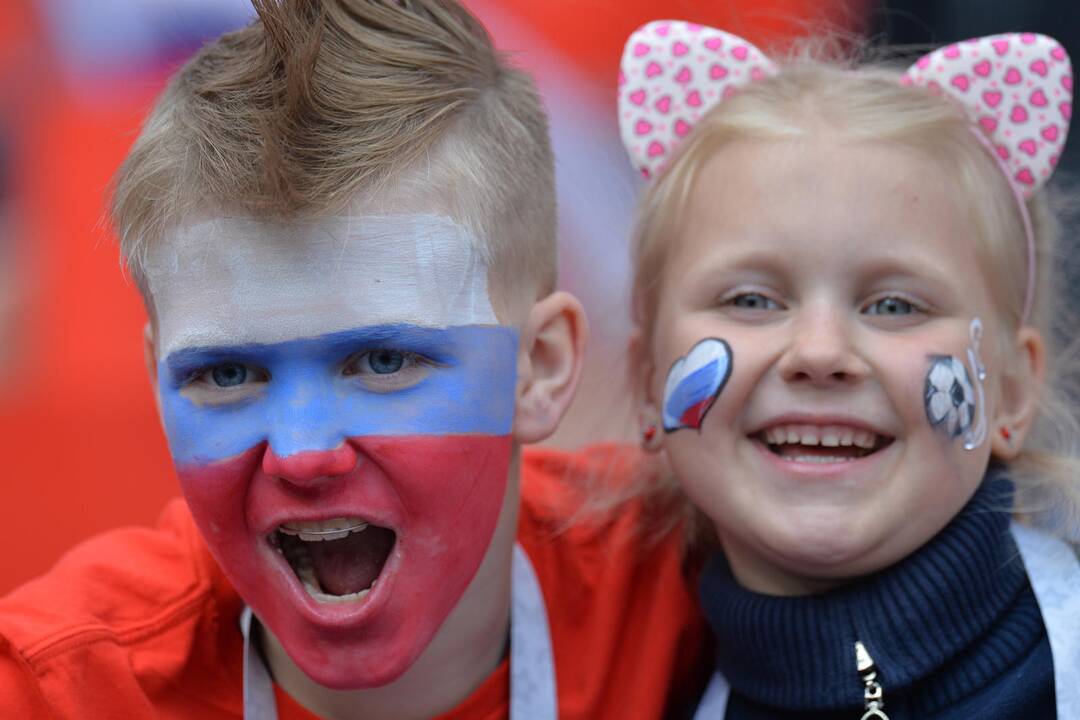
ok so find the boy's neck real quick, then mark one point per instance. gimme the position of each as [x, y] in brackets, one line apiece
[468, 647]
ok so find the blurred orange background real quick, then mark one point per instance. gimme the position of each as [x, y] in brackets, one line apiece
[78, 429]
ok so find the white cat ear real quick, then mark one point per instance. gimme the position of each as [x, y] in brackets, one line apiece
[1017, 88]
[672, 73]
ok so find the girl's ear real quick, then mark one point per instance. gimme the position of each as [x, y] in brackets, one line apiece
[642, 375]
[1021, 381]
[550, 358]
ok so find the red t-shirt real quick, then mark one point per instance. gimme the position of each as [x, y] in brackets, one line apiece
[140, 623]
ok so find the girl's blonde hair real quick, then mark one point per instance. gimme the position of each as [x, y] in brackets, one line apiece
[868, 103]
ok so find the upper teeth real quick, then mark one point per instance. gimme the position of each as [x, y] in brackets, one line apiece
[312, 531]
[826, 435]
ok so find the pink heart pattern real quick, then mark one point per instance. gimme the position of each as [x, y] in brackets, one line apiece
[1006, 84]
[709, 65]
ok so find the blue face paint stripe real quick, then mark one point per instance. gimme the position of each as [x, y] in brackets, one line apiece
[434, 343]
[308, 404]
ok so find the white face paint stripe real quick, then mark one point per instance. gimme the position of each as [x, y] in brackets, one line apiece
[267, 282]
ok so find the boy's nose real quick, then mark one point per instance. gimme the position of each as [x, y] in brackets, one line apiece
[309, 467]
[821, 351]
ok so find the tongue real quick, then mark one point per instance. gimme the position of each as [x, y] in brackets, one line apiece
[353, 563]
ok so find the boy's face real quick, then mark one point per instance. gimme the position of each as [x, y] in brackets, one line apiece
[338, 397]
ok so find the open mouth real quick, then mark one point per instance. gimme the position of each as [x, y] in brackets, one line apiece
[338, 560]
[821, 443]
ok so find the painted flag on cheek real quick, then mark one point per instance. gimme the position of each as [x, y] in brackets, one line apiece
[693, 383]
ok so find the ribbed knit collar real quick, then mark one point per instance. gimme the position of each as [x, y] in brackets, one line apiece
[798, 652]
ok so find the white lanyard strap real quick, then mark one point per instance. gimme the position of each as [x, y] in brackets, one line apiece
[259, 701]
[532, 662]
[1054, 572]
[713, 703]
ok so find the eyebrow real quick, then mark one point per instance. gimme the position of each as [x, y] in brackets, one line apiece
[907, 265]
[185, 361]
[408, 337]
[768, 261]
[753, 260]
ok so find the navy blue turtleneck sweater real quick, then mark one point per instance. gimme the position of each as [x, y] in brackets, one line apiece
[954, 629]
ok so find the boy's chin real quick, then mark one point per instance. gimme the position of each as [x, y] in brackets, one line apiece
[341, 672]
[348, 661]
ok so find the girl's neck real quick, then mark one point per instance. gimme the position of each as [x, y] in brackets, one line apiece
[760, 576]
[959, 592]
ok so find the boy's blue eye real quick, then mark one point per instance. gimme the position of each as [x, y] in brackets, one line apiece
[384, 362]
[890, 306]
[754, 301]
[224, 383]
[229, 375]
[386, 370]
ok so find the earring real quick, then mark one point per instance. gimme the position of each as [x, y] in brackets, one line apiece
[650, 437]
[1006, 433]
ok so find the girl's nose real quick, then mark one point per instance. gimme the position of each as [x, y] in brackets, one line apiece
[309, 467]
[821, 350]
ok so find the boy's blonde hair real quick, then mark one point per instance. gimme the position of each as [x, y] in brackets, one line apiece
[869, 104]
[324, 106]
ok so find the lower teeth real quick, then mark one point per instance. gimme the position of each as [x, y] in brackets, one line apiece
[314, 592]
[821, 459]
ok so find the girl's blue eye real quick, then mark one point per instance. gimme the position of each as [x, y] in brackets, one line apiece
[754, 301]
[384, 362]
[229, 375]
[890, 306]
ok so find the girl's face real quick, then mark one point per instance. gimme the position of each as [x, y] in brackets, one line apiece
[836, 272]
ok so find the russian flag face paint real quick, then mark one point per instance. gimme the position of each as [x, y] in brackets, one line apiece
[338, 398]
[694, 382]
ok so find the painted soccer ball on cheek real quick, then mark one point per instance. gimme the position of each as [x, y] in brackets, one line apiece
[950, 398]
[348, 480]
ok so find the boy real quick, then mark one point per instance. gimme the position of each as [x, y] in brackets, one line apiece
[341, 219]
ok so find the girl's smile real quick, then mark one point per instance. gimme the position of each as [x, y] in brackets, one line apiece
[835, 271]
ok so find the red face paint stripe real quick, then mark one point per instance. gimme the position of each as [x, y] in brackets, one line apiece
[440, 494]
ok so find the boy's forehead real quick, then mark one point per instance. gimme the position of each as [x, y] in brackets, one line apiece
[237, 280]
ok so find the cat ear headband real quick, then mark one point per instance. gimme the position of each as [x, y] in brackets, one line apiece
[1016, 88]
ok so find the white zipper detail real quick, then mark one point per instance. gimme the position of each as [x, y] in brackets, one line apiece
[873, 694]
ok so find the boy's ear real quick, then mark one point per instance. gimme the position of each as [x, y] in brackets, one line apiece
[150, 358]
[549, 365]
[1020, 382]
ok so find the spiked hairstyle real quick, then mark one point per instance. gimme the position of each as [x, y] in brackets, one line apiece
[329, 106]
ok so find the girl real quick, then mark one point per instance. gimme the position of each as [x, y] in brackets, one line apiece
[842, 290]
